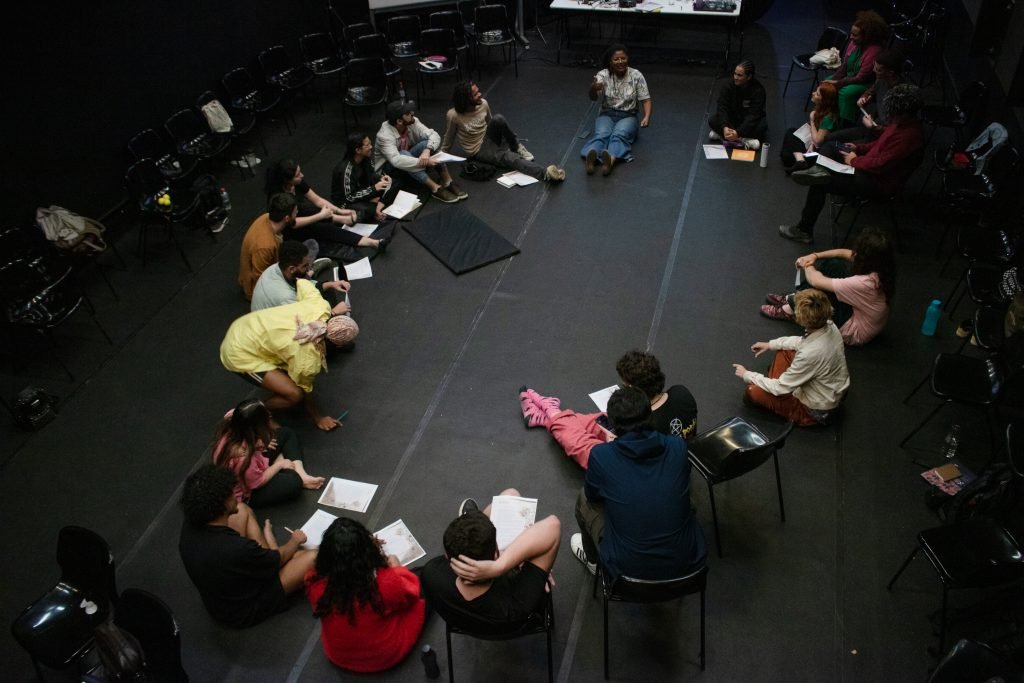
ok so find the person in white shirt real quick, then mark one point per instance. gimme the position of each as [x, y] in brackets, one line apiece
[808, 377]
[625, 109]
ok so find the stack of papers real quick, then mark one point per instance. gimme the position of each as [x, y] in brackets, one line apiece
[514, 178]
[405, 203]
[399, 541]
[511, 516]
[362, 229]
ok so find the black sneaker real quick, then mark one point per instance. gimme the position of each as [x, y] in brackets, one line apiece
[468, 505]
[382, 245]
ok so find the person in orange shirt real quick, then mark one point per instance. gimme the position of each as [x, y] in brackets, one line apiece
[262, 239]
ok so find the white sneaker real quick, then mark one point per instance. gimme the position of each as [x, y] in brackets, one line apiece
[523, 152]
[714, 136]
[576, 543]
[252, 159]
[217, 227]
[751, 143]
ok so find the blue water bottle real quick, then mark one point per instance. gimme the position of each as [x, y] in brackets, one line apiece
[931, 318]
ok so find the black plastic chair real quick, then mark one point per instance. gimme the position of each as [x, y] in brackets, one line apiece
[964, 117]
[730, 450]
[149, 144]
[245, 93]
[452, 19]
[989, 253]
[492, 29]
[628, 589]
[830, 37]
[375, 46]
[322, 57]
[365, 85]
[145, 185]
[977, 552]
[970, 661]
[437, 42]
[976, 382]
[403, 34]
[193, 137]
[988, 331]
[40, 294]
[57, 629]
[151, 621]
[242, 123]
[543, 622]
[281, 71]
[354, 32]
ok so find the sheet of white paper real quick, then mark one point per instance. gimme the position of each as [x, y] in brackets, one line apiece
[804, 133]
[511, 515]
[400, 542]
[362, 229]
[833, 165]
[403, 204]
[799, 271]
[315, 527]
[715, 152]
[347, 494]
[506, 182]
[445, 156]
[600, 397]
[335, 273]
[360, 270]
[520, 179]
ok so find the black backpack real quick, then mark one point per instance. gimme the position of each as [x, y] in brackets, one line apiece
[990, 495]
[207, 188]
[478, 171]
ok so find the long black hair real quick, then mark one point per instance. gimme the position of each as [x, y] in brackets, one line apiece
[279, 175]
[245, 431]
[462, 97]
[353, 142]
[873, 253]
[349, 558]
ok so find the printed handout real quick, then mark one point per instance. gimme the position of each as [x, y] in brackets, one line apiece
[400, 542]
[360, 270]
[315, 527]
[600, 397]
[347, 494]
[511, 516]
[362, 229]
[715, 152]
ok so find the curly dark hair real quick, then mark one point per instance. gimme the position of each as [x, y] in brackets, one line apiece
[246, 430]
[279, 176]
[873, 253]
[643, 371]
[206, 490]
[349, 558]
[610, 52]
[472, 535]
[903, 99]
[629, 410]
[873, 29]
[462, 97]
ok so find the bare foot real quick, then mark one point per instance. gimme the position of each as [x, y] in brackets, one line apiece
[312, 482]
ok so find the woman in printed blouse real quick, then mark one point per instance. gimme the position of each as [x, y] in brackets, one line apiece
[625, 109]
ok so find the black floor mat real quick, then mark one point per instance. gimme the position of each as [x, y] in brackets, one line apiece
[460, 240]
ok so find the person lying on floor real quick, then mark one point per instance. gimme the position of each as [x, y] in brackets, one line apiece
[673, 412]
[278, 284]
[369, 605]
[282, 349]
[242, 575]
[476, 587]
[859, 282]
[267, 461]
[808, 378]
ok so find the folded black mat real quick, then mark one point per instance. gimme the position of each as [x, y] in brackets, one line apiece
[460, 240]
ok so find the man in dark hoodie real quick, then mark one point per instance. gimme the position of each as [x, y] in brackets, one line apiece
[740, 118]
[634, 509]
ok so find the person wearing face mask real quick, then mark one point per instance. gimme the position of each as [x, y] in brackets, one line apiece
[278, 285]
[740, 117]
[263, 239]
[625, 109]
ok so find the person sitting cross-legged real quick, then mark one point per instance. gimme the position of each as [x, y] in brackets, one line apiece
[476, 587]
[634, 510]
[242, 574]
[278, 284]
[405, 146]
[808, 378]
[740, 117]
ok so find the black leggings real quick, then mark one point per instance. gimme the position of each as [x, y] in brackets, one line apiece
[324, 231]
[286, 485]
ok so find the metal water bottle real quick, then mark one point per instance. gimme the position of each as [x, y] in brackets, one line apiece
[764, 154]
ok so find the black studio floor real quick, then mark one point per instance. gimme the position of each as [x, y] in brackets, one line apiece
[673, 253]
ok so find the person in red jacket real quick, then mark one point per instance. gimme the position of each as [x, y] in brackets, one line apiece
[881, 166]
[369, 606]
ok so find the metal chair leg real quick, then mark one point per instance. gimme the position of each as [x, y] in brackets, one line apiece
[917, 387]
[906, 563]
[451, 664]
[606, 637]
[923, 423]
[714, 518]
[702, 630]
[778, 483]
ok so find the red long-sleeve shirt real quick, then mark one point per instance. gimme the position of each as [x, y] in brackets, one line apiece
[893, 156]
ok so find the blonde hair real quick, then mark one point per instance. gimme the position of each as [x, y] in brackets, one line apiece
[813, 309]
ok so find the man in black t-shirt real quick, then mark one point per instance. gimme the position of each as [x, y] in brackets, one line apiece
[475, 587]
[241, 573]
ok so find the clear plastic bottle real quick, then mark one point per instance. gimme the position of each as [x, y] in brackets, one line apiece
[931, 318]
[225, 199]
[951, 443]
[401, 91]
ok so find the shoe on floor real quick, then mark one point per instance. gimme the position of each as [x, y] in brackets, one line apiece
[815, 175]
[751, 143]
[607, 162]
[443, 195]
[791, 232]
[382, 245]
[576, 543]
[468, 505]
[777, 299]
[554, 174]
[320, 264]
[523, 152]
[775, 312]
[801, 165]
[590, 162]
[456, 190]
[714, 136]
[219, 225]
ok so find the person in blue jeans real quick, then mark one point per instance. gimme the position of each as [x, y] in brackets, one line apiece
[405, 145]
[625, 109]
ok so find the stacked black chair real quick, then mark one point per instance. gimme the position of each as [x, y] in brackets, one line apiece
[437, 42]
[192, 135]
[830, 37]
[366, 85]
[403, 35]
[730, 450]
[246, 94]
[453, 19]
[149, 144]
[145, 184]
[375, 46]
[492, 29]
[242, 123]
[282, 72]
[57, 629]
[354, 32]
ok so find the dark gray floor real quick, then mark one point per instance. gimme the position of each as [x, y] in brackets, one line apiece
[673, 253]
